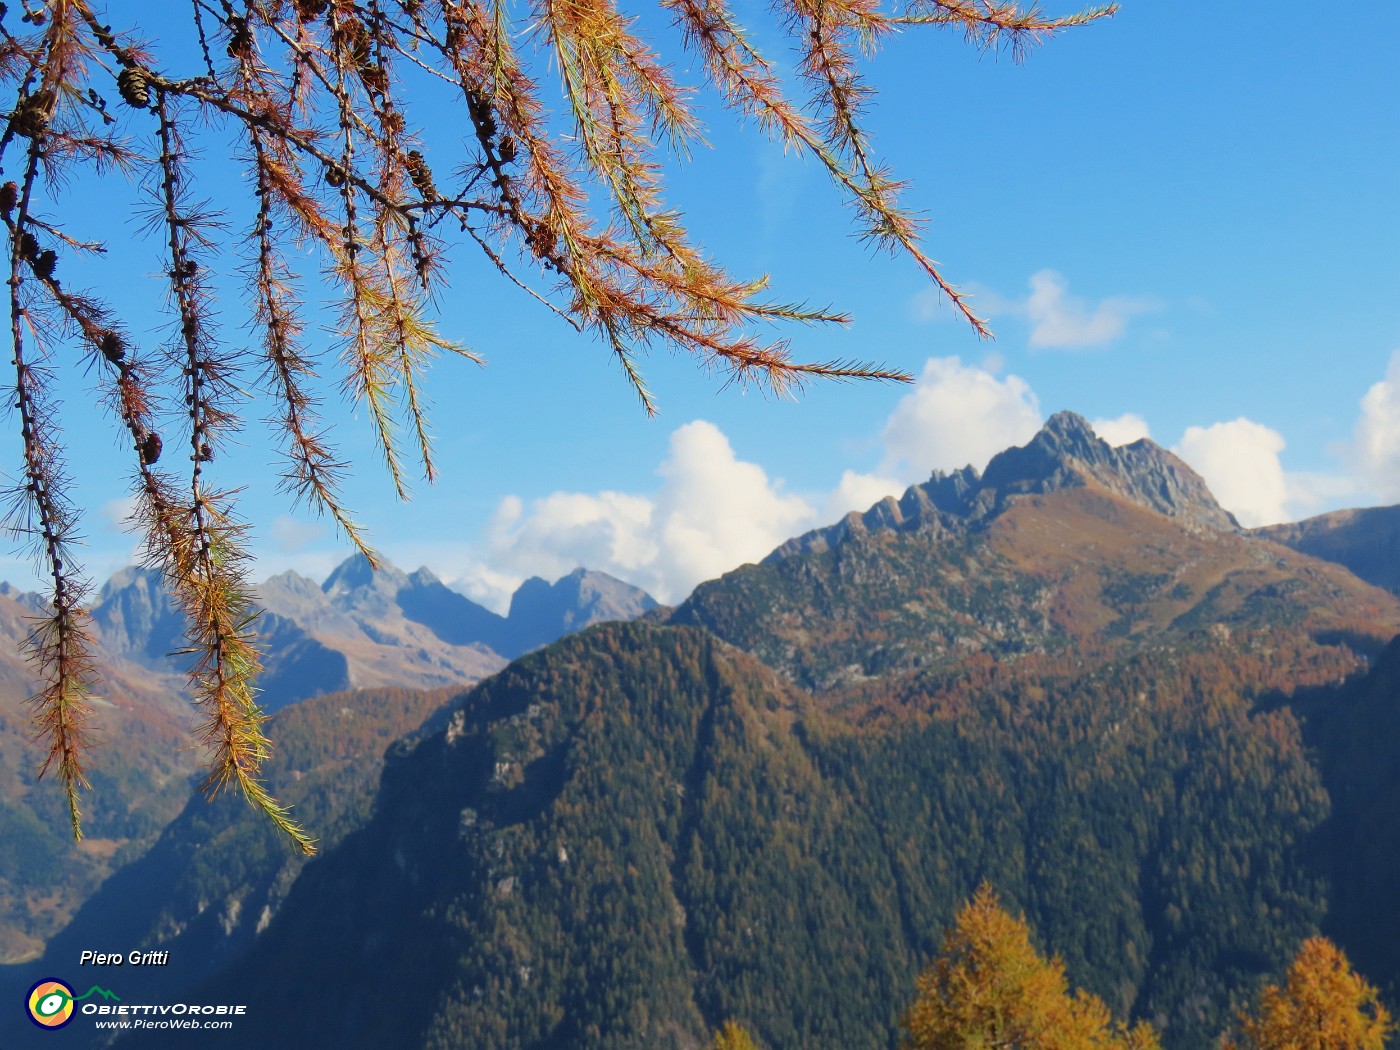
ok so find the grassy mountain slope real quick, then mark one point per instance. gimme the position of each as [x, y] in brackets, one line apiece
[1366, 541]
[1052, 573]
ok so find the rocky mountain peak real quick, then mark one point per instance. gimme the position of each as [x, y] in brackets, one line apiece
[355, 575]
[134, 615]
[1072, 432]
[291, 586]
[1066, 453]
[541, 611]
[424, 577]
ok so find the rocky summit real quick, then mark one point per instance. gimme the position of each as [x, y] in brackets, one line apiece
[1065, 454]
[1063, 544]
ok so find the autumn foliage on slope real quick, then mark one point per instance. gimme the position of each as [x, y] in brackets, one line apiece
[1322, 1005]
[990, 988]
[345, 202]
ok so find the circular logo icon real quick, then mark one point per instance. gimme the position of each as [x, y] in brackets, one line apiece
[50, 1003]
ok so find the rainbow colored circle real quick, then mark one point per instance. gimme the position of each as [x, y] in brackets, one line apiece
[50, 1003]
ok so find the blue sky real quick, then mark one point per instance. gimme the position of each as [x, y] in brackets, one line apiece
[1182, 222]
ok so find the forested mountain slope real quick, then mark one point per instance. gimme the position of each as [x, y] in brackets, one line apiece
[1072, 676]
[388, 630]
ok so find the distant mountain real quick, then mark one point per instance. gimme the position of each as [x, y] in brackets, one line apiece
[364, 628]
[1072, 675]
[1366, 541]
[541, 612]
[367, 628]
[359, 630]
[135, 620]
[140, 778]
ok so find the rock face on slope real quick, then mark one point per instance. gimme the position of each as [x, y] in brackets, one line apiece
[1065, 454]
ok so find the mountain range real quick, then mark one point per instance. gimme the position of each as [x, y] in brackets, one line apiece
[1169, 741]
[365, 628]
[358, 629]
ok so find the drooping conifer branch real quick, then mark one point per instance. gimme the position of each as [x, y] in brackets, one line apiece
[43, 515]
[206, 568]
[569, 115]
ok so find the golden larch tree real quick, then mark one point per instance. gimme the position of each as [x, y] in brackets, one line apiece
[989, 989]
[346, 198]
[732, 1036]
[1323, 1004]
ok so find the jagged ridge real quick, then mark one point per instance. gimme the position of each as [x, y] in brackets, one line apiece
[1066, 453]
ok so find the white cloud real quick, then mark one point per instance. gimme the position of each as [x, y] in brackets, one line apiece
[858, 491]
[1063, 321]
[294, 535]
[1057, 319]
[956, 415]
[1124, 430]
[116, 514]
[1239, 461]
[929, 304]
[711, 513]
[1376, 439]
[1314, 493]
[715, 511]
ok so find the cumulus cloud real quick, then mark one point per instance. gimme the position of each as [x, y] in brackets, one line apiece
[858, 491]
[1239, 461]
[294, 535]
[1058, 320]
[117, 514]
[711, 513]
[1124, 430]
[1376, 439]
[1313, 493]
[1065, 322]
[955, 415]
